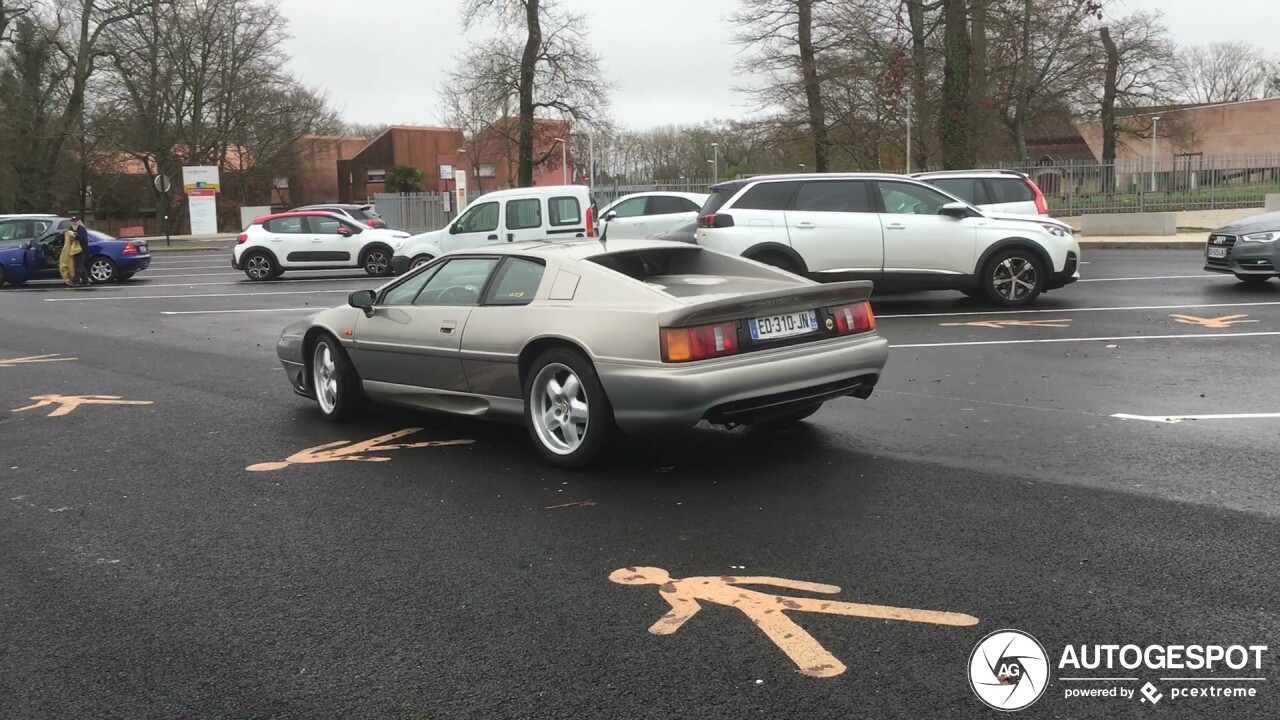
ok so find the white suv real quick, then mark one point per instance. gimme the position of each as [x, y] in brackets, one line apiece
[1002, 191]
[899, 232]
[312, 240]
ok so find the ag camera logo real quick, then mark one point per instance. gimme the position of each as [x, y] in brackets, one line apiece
[1009, 670]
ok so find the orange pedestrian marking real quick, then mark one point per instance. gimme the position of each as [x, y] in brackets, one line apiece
[347, 451]
[1225, 321]
[768, 612]
[55, 357]
[999, 324]
[66, 404]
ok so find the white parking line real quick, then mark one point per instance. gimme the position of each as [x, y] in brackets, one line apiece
[231, 312]
[1078, 310]
[172, 268]
[1174, 419]
[1202, 276]
[201, 295]
[242, 283]
[1113, 338]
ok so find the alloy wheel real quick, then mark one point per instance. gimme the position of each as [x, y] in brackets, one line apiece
[376, 262]
[324, 375]
[1014, 278]
[560, 411]
[100, 270]
[258, 267]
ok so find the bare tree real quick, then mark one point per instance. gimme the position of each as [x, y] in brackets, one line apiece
[1223, 72]
[541, 60]
[10, 11]
[957, 96]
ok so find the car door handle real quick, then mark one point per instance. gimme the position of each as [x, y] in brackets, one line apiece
[805, 226]
[511, 237]
[493, 237]
[895, 226]
[448, 326]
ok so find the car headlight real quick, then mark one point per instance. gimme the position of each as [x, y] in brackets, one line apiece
[1056, 230]
[1262, 237]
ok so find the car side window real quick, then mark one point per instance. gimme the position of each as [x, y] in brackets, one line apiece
[284, 225]
[906, 199]
[563, 211]
[324, 225]
[971, 190]
[479, 218]
[517, 282]
[14, 233]
[1010, 190]
[665, 205]
[767, 196]
[524, 214]
[408, 289]
[630, 208]
[848, 196]
[458, 283]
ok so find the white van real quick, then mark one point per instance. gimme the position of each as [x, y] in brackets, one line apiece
[504, 216]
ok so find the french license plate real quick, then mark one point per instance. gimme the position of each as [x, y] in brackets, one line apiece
[781, 326]
[1217, 252]
[142, 248]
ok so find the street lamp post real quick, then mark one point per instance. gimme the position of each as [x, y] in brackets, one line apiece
[1154, 121]
[715, 172]
[564, 161]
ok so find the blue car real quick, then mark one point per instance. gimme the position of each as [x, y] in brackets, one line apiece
[30, 246]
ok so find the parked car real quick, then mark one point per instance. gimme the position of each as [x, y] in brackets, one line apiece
[312, 240]
[583, 338]
[505, 216]
[31, 246]
[900, 232]
[647, 213]
[1248, 248]
[363, 214]
[685, 232]
[1001, 191]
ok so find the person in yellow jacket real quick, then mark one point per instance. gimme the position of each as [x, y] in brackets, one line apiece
[67, 264]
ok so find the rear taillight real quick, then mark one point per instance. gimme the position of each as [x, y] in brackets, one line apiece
[699, 343]
[715, 220]
[377, 224]
[1042, 205]
[242, 239]
[591, 221]
[129, 249]
[854, 318]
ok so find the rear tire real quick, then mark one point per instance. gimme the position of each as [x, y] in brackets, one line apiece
[102, 270]
[566, 412]
[333, 380]
[1014, 278]
[259, 266]
[1253, 280]
[781, 262]
[419, 261]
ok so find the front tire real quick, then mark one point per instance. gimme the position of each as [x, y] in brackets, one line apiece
[566, 411]
[102, 270]
[259, 266]
[376, 261]
[334, 381]
[419, 261]
[1014, 278]
[1253, 280]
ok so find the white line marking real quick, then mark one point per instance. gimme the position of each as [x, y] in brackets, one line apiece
[170, 268]
[1215, 679]
[242, 283]
[201, 295]
[1102, 679]
[1087, 339]
[1205, 276]
[228, 312]
[1078, 310]
[1175, 419]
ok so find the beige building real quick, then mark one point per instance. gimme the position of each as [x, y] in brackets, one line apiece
[1228, 130]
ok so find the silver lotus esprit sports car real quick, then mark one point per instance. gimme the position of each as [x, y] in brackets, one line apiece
[580, 339]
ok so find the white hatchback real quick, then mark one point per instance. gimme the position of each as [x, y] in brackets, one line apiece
[896, 231]
[312, 240]
[645, 214]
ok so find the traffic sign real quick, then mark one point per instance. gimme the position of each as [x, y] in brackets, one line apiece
[162, 183]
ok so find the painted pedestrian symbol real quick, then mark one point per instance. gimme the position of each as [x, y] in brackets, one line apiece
[66, 404]
[347, 451]
[768, 612]
[11, 362]
[999, 324]
[1225, 321]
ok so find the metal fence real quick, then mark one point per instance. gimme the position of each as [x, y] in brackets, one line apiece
[1191, 181]
[607, 193]
[412, 212]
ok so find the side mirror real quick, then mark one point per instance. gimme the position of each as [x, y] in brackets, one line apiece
[453, 228]
[956, 210]
[363, 299]
[611, 215]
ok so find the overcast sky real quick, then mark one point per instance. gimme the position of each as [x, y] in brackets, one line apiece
[671, 60]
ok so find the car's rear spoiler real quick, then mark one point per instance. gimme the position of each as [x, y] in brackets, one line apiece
[774, 302]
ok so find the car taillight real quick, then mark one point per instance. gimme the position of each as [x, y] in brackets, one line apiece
[1042, 205]
[129, 249]
[699, 343]
[377, 224]
[591, 221]
[854, 318]
[242, 239]
[715, 220]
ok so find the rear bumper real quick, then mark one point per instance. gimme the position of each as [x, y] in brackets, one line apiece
[134, 264]
[743, 389]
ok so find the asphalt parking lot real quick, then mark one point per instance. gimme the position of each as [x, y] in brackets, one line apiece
[1101, 468]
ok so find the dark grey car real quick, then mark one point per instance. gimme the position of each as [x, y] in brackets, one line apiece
[1247, 248]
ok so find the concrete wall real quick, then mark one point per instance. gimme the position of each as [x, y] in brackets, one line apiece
[1112, 224]
[1272, 204]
